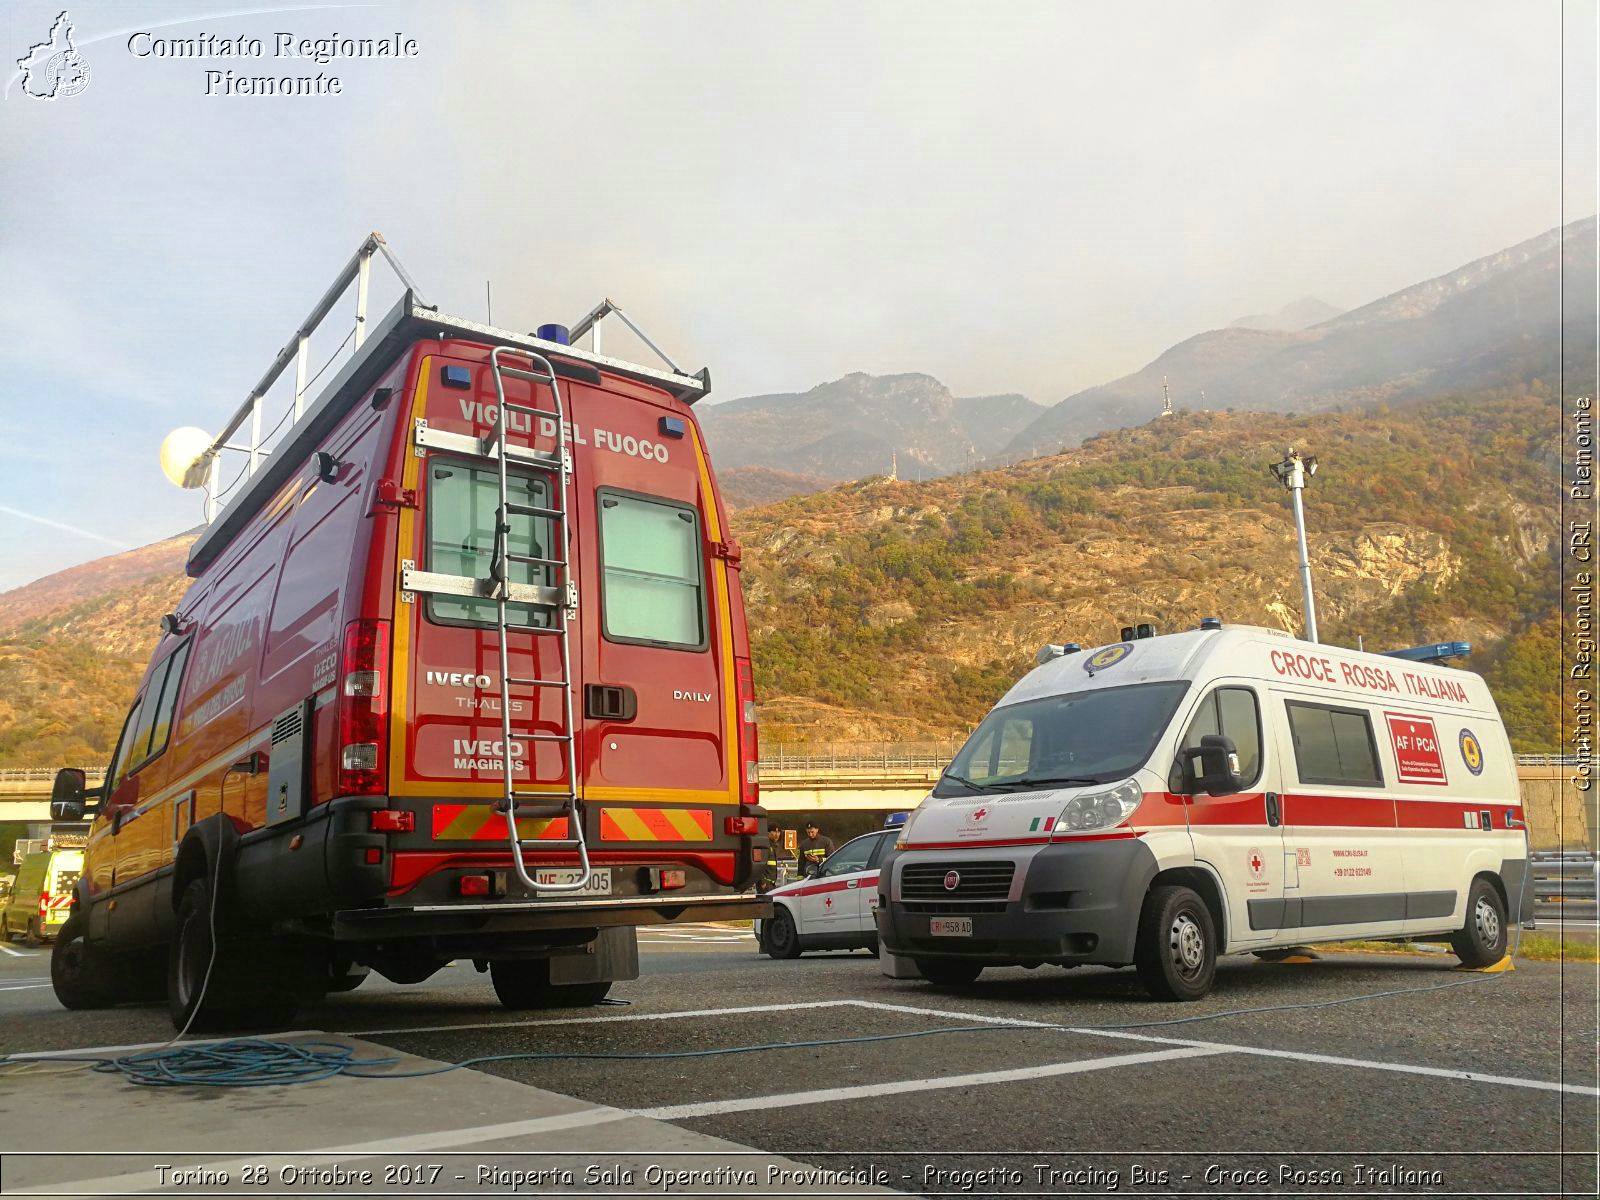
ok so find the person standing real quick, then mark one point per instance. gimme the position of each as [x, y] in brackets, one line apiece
[778, 853]
[814, 848]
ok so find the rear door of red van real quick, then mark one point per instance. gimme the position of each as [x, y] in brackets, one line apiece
[661, 733]
[447, 747]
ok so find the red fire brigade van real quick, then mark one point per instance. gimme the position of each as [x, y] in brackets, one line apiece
[1164, 800]
[482, 571]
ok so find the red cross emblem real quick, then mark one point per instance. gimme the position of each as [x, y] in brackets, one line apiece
[980, 814]
[1255, 862]
[828, 903]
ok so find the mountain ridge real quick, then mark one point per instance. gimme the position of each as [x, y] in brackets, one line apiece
[1497, 320]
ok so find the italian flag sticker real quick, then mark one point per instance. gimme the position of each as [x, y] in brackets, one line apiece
[1041, 823]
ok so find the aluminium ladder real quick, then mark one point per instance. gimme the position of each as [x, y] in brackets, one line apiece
[513, 803]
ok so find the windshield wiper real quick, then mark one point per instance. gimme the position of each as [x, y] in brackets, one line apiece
[1047, 780]
[960, 779]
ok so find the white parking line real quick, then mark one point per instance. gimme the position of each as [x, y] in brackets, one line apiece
[900, 1087]
[1258, 1051]
[18, 953]
[569, 1022]
[21, 987]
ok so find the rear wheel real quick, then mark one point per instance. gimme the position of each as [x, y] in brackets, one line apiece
[781, 938]
[1481, 942]
[525, 983]
[1176, 950]
[78, 971]
[949, 972]
[227, 983]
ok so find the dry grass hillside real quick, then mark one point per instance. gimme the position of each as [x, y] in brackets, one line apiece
[893, 610]
[73, 647]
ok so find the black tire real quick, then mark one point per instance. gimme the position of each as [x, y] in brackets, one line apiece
[779, 937]
[1176, 949]
[345, 976]
[32, 937]
[229, 984]
[1481, 942]
[78, 971]
[949, 972]
[523, 983]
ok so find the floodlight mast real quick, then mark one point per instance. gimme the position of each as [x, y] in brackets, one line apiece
[1292, 472]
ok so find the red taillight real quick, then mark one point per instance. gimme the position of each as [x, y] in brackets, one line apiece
[473, 885]
[749, 744]
[364, 709]
[742, 826]
[44, 903]
[672, 879]
[392, 820]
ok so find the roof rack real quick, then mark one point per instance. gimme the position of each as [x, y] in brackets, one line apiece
[375, 347]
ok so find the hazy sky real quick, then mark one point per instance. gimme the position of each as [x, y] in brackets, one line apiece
[1021, 197]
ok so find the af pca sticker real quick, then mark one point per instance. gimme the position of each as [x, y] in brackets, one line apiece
[1471, 751]
[1110, 656]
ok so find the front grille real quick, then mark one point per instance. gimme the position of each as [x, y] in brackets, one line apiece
[954, 908]
[977, 881]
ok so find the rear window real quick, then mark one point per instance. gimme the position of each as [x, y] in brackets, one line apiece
[462, 501]
[652, 585]
[1333, 745]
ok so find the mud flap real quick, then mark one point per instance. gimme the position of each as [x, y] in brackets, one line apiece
[613, 956]
[896, 966]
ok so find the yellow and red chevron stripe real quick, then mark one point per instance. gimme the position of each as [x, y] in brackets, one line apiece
[655, 824]
[480, 823]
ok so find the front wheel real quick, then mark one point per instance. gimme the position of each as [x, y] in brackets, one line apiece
[525, 983]
[1481, 942]
[948, 972]
[781, 938]
[78, 970]
[1176, 950]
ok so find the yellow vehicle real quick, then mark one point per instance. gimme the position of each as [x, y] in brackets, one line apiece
[41, 898]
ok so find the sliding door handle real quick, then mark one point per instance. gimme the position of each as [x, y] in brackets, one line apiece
[1274, 813]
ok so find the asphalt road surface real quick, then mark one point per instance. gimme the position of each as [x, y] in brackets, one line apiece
[1450, 1083]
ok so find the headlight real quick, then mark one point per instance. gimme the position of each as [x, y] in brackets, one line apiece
[1100, 810]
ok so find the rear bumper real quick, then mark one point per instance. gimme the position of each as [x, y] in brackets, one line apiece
[537, 916]
[1069, 903]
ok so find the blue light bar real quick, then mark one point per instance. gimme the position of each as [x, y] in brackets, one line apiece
[895, 820]
[554, 333]
[1432, 652]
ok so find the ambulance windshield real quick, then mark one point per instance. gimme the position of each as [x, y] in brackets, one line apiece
[1073, 739]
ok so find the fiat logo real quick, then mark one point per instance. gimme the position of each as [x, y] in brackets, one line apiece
[952, 880]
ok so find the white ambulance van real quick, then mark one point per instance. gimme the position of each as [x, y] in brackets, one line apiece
[1226, 790]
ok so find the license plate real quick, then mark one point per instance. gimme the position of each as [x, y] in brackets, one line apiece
[950, 926]
[599, 881]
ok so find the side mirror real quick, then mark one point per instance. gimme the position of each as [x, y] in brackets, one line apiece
[68, 795]
[1218, 759]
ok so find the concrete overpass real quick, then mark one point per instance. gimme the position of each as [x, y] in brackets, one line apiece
[878, 780]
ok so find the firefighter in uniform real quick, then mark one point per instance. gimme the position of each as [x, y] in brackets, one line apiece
[777, 854]
[813, 849]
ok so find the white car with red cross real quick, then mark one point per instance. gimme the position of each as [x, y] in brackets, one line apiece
[835, 909]
[1225, 790]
